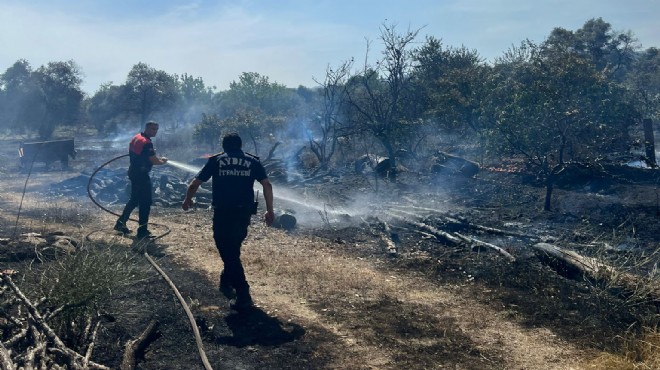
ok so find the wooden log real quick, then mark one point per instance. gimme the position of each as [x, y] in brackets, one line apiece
[388, 239]
[455, 238]
[576, 266]
[135, 347]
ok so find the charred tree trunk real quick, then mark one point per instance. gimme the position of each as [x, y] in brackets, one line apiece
[272, 151]
[649, 143]
[549, 187]
[550, 182]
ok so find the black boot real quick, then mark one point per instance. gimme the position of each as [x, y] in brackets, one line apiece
[143, 233]
[121, 227]
[226, 289]
[243, 301]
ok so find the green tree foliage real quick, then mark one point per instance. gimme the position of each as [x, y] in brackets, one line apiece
[208, 130]
[449, 85]
[553, 107]
[607, 50]
[60, 83]
[107, 107]
[40, 100]
[193, 99]
[150, 91]
[256, 107]
[22, 101]
[644, 83]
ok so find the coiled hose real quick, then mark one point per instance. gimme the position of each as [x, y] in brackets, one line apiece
[191, 318]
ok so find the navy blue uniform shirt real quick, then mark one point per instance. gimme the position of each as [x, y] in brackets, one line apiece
[233, 175]
[139, 150]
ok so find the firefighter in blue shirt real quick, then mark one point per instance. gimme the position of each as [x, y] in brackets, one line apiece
[233, 173]
[142, 156]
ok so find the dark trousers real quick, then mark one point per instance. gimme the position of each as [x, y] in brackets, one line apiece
[141, 197]
[230, 228]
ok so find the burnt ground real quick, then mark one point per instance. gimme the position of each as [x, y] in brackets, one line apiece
[329, 294]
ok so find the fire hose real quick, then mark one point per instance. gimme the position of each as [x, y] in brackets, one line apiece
[193, 324]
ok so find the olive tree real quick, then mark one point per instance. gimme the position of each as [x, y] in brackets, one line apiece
[62, 95]
[256, 107]
[150, 92]
[22, 98]
[553, 107]
[644, 83]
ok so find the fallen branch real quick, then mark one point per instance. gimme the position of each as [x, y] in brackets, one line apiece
[455, 239]
[423, 233]
[574, 265]
[479, 243]
[5, 359]
[388, 239]
[92, 342]
[465, 223]
[38, 349]
[439, 234]
[74, 358]
[135, 347]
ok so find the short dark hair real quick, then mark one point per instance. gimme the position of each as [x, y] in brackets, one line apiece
[150, 123]
[231, 141]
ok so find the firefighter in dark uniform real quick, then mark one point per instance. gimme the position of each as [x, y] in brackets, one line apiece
[142, 156]
[233, 174]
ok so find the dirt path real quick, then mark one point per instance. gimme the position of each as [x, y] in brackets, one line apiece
[380, 317]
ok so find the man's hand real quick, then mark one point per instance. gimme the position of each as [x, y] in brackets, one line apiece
[163, 159]
[187, 203]
[269, 217]
[190, 193]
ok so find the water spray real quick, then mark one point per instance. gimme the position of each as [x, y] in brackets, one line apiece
[183, 166]
[287, 221]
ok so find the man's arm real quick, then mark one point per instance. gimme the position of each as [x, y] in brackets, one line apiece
[269, 217]
[190, 193]
[156, 161]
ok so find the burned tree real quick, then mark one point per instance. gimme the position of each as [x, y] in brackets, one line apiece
[329, 123]
[375, 96]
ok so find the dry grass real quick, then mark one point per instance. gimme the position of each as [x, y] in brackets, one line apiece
[323, 273]
[641, 351]
[635, 277]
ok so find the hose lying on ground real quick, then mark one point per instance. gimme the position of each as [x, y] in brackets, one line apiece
[193, 324]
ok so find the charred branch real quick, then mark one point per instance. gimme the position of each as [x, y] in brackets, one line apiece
[271, 152]
[44, 339]
[135, 347]
[454, 239]
[575, 266]
[461, 223]
[481, 244]
[388, 238]
[5, 359]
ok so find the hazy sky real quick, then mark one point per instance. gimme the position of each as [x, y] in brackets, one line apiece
[290, 41]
